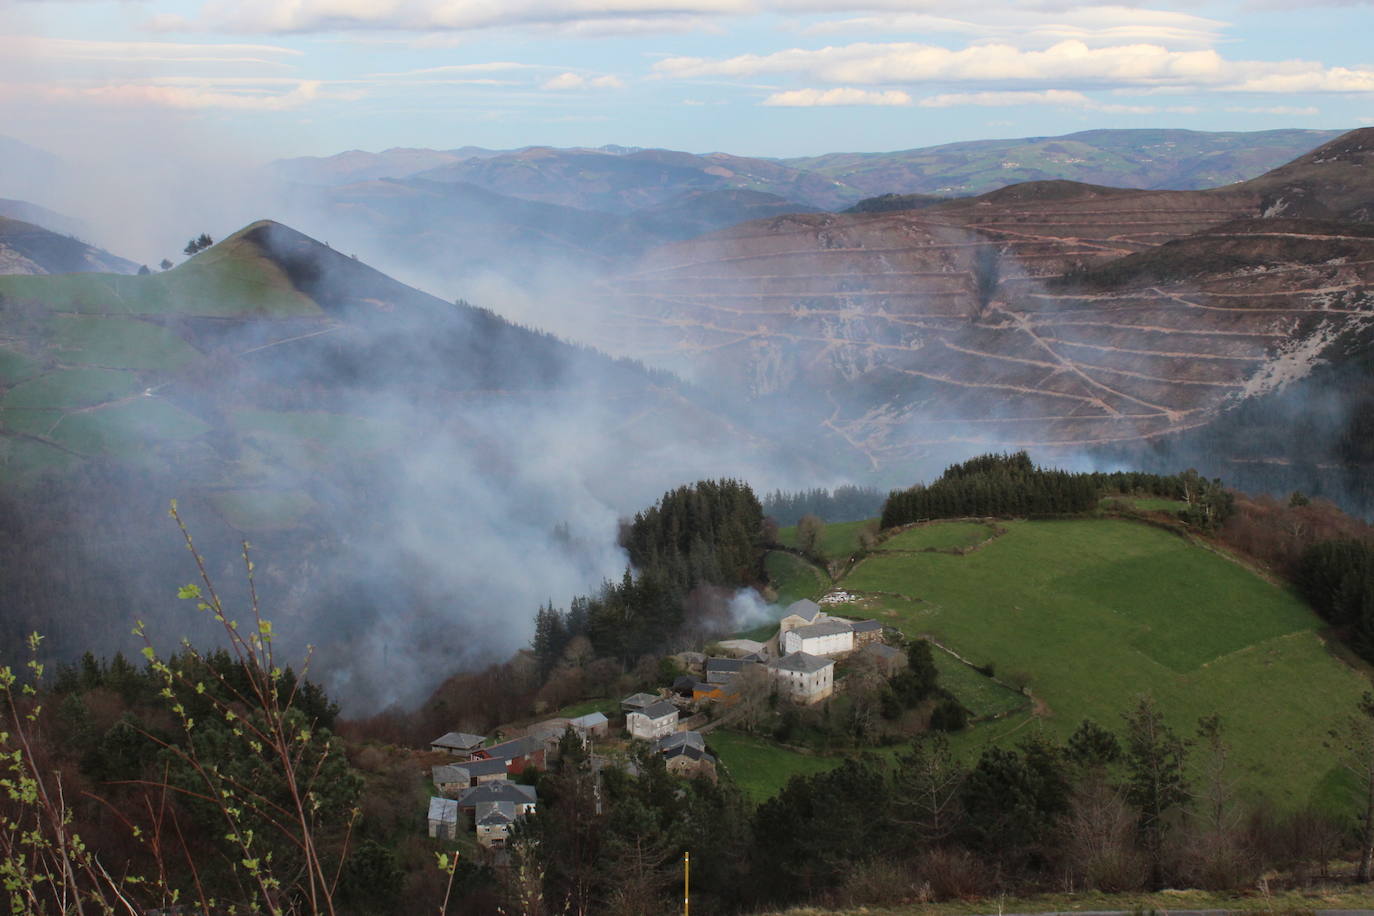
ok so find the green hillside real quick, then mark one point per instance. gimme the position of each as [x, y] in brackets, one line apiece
[1093, 613]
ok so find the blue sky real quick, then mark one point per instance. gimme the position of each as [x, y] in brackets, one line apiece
[269, 78]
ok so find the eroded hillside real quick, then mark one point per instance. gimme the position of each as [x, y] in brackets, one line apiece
[1047, 314]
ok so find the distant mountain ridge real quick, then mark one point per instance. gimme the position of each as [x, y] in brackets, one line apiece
[621, 179]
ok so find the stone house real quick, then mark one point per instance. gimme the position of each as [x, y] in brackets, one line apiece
[443, 818]
[803, 678]
[685, 754]
[866, 632]
[653, 721]
[458, 744]
[889, 661]
[826, 637]
[720, 670]
[493, 821]
[524, 798]
[801, 613]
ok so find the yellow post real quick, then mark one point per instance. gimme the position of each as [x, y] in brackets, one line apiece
[686, 882]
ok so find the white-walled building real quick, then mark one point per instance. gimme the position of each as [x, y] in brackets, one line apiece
[653, 721]
[803, 678]
[827, 637]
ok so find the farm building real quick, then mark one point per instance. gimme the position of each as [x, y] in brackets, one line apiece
[890, 661]
[826, 637]
[518, 753]
[525, 798]
[720, 670]
[742, 648]
[801, 613]
[866, 632]
[459, 744]
[726, 693]
[685, 754]
[804, 678]
[443, 818]
[652, 722]
[493, 821]
[592, 725]
[467, 774]
[637, 701]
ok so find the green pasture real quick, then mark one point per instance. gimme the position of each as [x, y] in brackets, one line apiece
[762, 767]
[118, 342]
[15, 367]
[606, 706]
[1095, 613]
[983, 697]
[837, 541]
[793, 577]
[941, 536]
[69, 388]
[125, 429]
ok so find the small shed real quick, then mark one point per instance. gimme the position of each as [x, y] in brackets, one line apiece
[592, 725]
[443, 818]
[450, 780]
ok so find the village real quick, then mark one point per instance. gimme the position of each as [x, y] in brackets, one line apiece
[483, 786]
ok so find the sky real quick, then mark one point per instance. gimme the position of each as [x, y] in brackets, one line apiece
[262, 79]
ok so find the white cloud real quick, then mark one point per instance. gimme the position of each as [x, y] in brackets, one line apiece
[1139, 66]
[1062, 98]
[1094, 25]
[187, 96]
[1288, 110]
[67, 49]
[571, 81]
[816, 98]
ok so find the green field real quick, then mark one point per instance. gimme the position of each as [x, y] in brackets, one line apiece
[762, 767]
[983, 697]
[71, 388]
[15, 367]
[607, 707]
[1093, 613]
[793, 577]
[125, 429]
[837, 541]
[941, 536]
[118, 342]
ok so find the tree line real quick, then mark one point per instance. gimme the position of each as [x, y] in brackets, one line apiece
[1013, 485]
[687, 551]
[846, 503]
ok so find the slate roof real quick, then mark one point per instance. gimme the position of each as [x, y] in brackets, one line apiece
[824, 628]
[658, 710]
[444, 810]
[516, 747]
[461, 741]
[493, 814]
[446, 774]
[866, 626]
[804, 662]
[680, 739]
[806, 609]
[486, 767]
[639, 700]
[881, 650]
[498, 791]
[724, 666]
[590, 720]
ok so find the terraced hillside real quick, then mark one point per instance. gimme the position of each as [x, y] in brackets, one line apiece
[1047, 314]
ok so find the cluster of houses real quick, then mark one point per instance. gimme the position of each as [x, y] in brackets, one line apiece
[477, 783]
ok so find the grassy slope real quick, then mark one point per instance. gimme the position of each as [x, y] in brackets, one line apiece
[941, 536]
[1096, 612]
[838, 540]
[762, 767]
